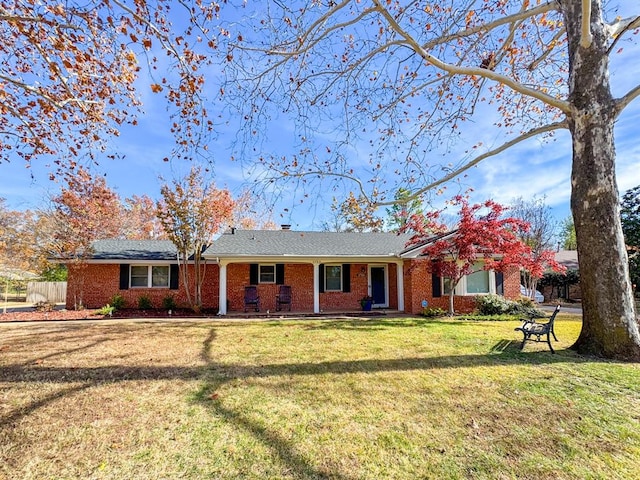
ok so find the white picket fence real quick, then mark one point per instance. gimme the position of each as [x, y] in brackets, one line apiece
[55, 292]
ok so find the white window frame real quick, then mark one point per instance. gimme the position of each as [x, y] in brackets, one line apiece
[461, 288]
[326, 277]
[150, 276]
[260, 266]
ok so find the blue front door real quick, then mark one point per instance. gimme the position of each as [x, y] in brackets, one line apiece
[378, 286]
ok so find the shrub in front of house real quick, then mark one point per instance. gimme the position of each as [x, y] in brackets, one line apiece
[118, 302]
[433, 312]
[144, 303]
[498, 305]
[169, 303]
[492, 305]
[527, 308]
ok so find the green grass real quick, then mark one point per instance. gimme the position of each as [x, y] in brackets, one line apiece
[347, 400]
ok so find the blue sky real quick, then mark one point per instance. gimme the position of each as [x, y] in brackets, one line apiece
[531, 169]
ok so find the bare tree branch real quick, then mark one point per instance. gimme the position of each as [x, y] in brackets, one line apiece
[622, 103]
[533, 65]
[531, 133]
[618, 29]
[586, 38]
[521, 15]
[480, 72]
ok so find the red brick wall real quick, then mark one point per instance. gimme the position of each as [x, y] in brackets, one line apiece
[101, 282]
[512, 283]
[298, 276]
[335, 301]
[418, 287]
[392, 270]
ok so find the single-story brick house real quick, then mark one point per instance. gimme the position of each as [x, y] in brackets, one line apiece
[328, 271]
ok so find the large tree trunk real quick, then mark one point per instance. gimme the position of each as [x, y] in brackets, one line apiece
[610, 328]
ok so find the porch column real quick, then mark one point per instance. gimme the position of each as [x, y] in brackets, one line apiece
[400, 283]
[316, 287]
[222, 292]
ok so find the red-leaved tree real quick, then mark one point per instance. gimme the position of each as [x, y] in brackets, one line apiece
[483, 236]
[535, 264]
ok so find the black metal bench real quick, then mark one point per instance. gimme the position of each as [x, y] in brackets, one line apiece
[531, 327]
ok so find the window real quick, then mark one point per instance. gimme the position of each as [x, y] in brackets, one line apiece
[333, 278]
[149, 276]
[160, 276]
[139, 276]
[478, 282]
[267, 274]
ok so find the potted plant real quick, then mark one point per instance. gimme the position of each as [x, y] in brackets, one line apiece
[366, 302]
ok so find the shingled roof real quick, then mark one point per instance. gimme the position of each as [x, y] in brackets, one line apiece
[255, 243]
[134, 250]
[568, 258]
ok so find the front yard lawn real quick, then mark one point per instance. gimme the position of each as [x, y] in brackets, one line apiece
[348, 399]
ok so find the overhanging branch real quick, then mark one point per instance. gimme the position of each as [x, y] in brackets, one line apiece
[480, 72]
[516, 17]
[617, 29]
[531, 133]
[622, 103]
[586, 38]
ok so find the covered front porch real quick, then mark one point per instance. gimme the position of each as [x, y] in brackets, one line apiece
[297, 314]
[319, 286]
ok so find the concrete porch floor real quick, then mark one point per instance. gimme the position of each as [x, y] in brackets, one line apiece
[268, 314]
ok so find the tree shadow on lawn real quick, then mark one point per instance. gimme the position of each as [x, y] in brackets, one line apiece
[213, 375]
[503, 352]
[365, 324]
[288, 452]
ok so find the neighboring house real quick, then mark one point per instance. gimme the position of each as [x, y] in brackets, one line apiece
[328, 271]
[569, 259]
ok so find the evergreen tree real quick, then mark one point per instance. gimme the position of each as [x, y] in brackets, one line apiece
[630, 216]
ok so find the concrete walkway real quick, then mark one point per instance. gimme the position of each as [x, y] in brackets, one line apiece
[577, 310]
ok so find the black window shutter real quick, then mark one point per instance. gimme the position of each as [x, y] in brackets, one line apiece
[436, 285]
[279, 273]
[124, 276]
[346, 277]
[174, 270]
[253, 274]
[321, 277]
[499, 283]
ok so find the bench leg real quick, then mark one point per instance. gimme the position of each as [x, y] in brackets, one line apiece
[524, 340]
[549, 342]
